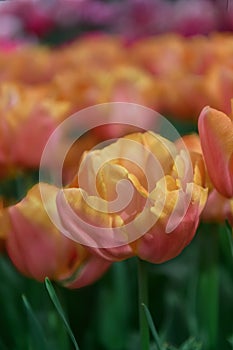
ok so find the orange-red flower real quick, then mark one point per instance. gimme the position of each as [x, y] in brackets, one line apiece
[38, 249]
[218, 208]
[137, 196]
[216, 135]
[27, 119]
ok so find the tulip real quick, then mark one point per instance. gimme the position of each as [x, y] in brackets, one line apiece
[137, 196]
[140, 18]
[216, 135]
[218, 208]
[190, 18]
[26, 120]
[192, 142]
[163, 56]
[39, 250]
[219, 85]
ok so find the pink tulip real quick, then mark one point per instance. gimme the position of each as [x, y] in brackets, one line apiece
[39, 250]
[136, 196]
[194, 17]
[218, 208]
[27, 119]
[216, 135]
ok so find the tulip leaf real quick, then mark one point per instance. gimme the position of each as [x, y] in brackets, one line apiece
[230, 340]
[191, 344]
[35, 328]
[60, 311]
[152, 327]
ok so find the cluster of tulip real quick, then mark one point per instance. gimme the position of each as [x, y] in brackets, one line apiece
[133, 18]
[41, 87]
[170, 74]
[167, 201]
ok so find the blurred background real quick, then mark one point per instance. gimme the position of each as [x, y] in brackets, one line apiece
[58, 57]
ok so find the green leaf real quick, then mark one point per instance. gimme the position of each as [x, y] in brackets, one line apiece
[152, 327]
[60, 311]
[38, 337]
[230, 340]
[191, 344]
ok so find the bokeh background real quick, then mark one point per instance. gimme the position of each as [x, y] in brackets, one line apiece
[57, 57]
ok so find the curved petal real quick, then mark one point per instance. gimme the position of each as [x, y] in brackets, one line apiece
[92, 269]
[34, 244]
[216, 134]
[86, 220]
[192, 142]
[216, 208]
[175, 227]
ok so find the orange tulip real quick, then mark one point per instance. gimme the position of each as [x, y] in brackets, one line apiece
[218, 208]
[136, 196]
[219, 85]
[27, 119]
[38, 249]
[163, 56]
[216, 135]
[192, 142]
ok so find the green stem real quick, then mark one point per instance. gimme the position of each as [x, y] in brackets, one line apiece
[208, 292]
[143, 300]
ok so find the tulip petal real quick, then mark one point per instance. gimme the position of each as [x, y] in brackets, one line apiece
[86, 219]
[217, 208]
[216, 134]
[89, 272]
[180, 215]
[34, 243]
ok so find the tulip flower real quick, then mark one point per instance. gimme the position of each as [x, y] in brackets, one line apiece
[137, 196]
[26, 122]
[216, 135]
[218, 208]
[219, 84]
[192, 142]
[190, 18]
[38, 249]
[135, 19]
